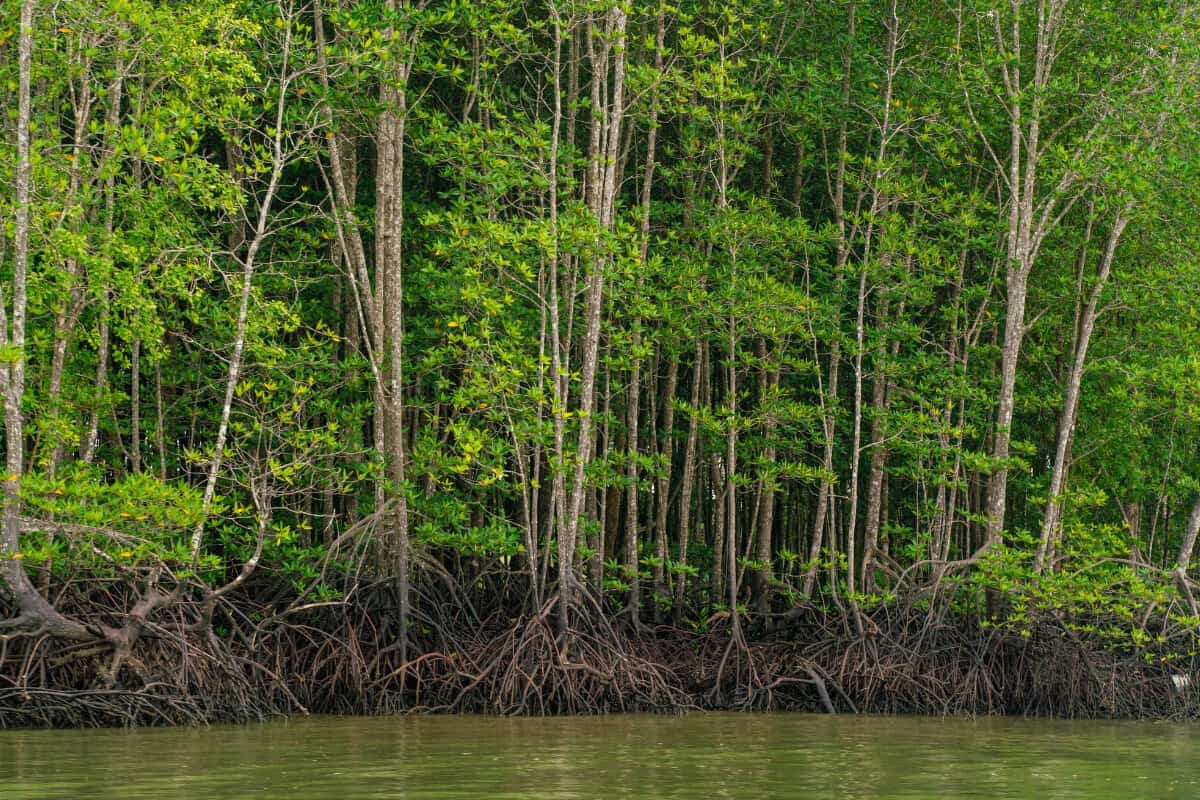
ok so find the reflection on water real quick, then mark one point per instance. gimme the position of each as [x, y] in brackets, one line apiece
[742, 756]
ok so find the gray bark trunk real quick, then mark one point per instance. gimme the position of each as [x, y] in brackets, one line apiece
[603, 173]
[1070, 410]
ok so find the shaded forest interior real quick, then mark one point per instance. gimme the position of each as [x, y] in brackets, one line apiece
[588, 355]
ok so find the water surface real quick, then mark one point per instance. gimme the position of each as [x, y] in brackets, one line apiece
[744, 756]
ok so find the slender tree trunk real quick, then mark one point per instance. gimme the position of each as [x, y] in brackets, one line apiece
[368, 299]
[635, 379]
[856, 447]
[829, 402]
[662, 590]
[880, 205]
[690, 467]
[731, 439]
[768, 388]
[1070, 410]
[603, 167]
[1028, 225]
[91, 437]
[558, 372]
[160, 434]
[1184, 561]
[12, 373]
[607, 499]
[829, 397]
[135, 406]
[32, 607]
[717, 490]
[716, 494]
[278, 162]
[389, 253]
[876, 478]
[631, 478]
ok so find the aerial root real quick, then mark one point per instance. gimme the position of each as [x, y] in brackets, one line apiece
[258, 661]
[526, 667]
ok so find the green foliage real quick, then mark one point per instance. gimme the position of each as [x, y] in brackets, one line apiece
[811, 189]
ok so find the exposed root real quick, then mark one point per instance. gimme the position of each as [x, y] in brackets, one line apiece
[263, 658]
[526, 667]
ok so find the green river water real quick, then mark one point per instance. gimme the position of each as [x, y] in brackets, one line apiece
[743, 756]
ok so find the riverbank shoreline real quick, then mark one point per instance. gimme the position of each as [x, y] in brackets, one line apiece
[336, 659]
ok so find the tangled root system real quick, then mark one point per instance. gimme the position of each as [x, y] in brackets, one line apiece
[261, 659]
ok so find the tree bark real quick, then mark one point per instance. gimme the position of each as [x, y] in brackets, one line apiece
[389, 252]
[768, 388]
[135, 406]
[690, 467]
[603, 165]
[13, 373]
[662, 589]
[1070, 411]
[1028, 224]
